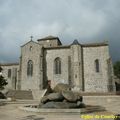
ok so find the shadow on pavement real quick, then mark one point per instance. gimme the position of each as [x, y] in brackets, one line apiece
[32, 117]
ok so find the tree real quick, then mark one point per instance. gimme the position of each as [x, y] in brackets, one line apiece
[117, 69]
[3, 81]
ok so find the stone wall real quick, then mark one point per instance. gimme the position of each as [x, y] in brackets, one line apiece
[51, 55]
[96, 81]
[13, 79]
[49, 43]
[31, 51]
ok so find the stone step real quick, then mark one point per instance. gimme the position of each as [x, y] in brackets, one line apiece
[20, 94]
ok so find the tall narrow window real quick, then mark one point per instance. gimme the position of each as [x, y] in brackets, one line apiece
[9, 73]
[57, 66]
[30, 48]
[30, 68]
[97, 65]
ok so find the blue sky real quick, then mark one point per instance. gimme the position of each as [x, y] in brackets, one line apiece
[85, 20]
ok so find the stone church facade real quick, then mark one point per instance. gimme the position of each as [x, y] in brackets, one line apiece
[86, 67]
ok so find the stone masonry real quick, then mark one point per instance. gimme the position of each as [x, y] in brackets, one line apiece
[76, 66]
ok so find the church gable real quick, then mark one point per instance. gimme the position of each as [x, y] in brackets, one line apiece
[30, 48]
[30, 42]
[31, 54]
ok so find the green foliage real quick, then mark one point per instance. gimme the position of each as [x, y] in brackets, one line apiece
[117, 69]
[3, 81]
[0, 69]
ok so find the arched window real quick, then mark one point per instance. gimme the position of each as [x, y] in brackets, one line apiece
[30, 68]
[57, 65]
[97, 65]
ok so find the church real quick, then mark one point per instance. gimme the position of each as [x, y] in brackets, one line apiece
[85, 67]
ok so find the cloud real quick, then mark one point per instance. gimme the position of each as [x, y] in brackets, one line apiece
[85, 20]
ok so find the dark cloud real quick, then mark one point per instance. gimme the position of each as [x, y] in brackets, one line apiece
[86, 20]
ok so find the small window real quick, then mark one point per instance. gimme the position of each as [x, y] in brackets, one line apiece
[30, 68]
[97, 65]
[9, 73]
[57, 66]
[30, 48]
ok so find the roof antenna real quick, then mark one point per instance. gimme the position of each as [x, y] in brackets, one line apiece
[31, 37]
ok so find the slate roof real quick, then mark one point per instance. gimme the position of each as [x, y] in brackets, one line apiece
[75, 42]
[8, 64]
[95, 44]
[50, 37]
[29, 42]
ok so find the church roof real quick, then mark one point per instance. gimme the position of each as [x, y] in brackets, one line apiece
[82, 45]
[8, 64]
[58, 47]
[50, 37]
[95, 44]
[75, 42]
[29, 42]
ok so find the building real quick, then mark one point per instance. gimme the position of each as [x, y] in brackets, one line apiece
[86, 67]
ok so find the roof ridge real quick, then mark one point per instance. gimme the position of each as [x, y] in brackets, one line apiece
[7, 64]
[29, 42]
[96, 44]
[48, 37]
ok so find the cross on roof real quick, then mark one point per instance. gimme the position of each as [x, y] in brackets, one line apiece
[31, 37]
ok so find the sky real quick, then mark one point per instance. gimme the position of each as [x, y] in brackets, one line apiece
[85, 20]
